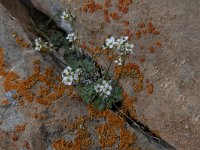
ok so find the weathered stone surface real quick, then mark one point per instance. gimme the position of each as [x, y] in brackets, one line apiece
[173, 107]
[27, 123]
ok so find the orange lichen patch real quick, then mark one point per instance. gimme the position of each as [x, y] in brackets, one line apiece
[152, 29]
[123, 5]
[91, 6]
[128, 105]
[20, 41]
[142, 60]
[26, 145]
[138, 34]
[113, 120]
[81, 141]
[39, 116]
[14, 137]
[131, 70]
[107, 3]
[23, 87]
[2, 65]
[5, 103]
[126, 139]
[107, 135]
[61, 144]
[144, 31]
[78, 123]
[151, 49]
[20, 128]
[150, 88]
[158, 44]
[114, 16]
[127, 32]
[106, 15]
[125, 23]
[141, 24]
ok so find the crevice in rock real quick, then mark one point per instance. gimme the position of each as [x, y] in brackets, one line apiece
[37, 17]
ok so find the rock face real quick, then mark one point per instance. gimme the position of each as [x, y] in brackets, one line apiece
[38, 112]
[165, 34]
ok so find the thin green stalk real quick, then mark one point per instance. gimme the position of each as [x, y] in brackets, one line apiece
[51, 19]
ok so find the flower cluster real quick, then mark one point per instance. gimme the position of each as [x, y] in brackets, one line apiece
[120, 44]
[71, 37]
[69, 76]
[119, 61]
[42, 46]
[67, 16]
[104, 89]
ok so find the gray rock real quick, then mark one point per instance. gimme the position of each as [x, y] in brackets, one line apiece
[38, 133]
[173, 108]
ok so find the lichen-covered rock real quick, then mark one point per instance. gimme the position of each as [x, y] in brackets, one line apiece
[165, 35]
[38, 112]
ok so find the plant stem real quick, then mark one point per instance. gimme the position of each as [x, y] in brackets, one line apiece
[51, 19]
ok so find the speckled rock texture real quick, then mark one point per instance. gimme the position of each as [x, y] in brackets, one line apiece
[167, 49]
[38, 112]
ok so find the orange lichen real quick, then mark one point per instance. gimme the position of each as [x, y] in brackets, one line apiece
[131, 70]
[126, 139]
[138, 34]
[26, 145]
[114, 16]
[107, 135]
[20, 41]
[39, 116]
[141, 24]
[23, 87]
[128, 105]
[20, 128]
[158, 44]
[78, 122]
[151, 49]
[4, 103]
[125, 23]
[123, 5]
[152, 29]
[142, 59]
[150, 88]
[107, 3]
[91, 6]
[127, 32]
[14, 137]
[106, 15]
[2, 64]
[81, 140]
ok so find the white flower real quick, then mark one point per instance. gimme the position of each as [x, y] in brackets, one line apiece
[107, 89]
[69, 75]
[98, 88]
[119, 61]
[129, 48]
[67, 71]
[67, 80]
[39, 45]
[71, 37]
[122, 40]
[104, 89]
[78, 71]
[76, 76]
[110, 42]
[67, 16]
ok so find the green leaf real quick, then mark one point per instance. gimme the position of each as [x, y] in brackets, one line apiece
[99, 104]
